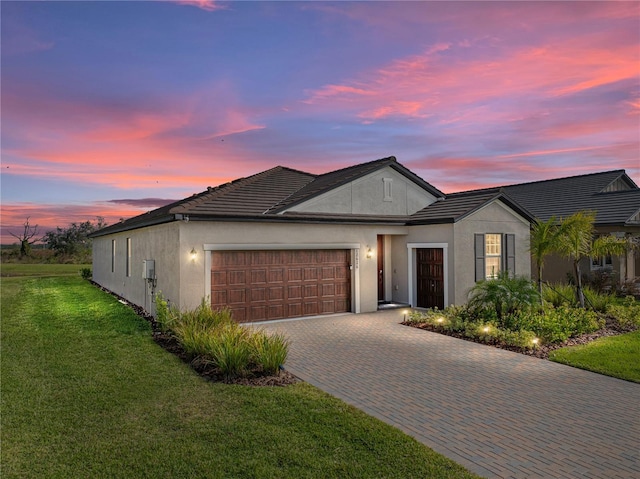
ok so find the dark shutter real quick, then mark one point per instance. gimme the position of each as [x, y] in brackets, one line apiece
[479, 252]
[510, 254]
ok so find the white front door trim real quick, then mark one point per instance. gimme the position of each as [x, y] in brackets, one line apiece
[412, 274]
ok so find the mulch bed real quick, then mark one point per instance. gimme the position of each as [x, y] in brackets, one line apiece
[170, 343]
[612, 328]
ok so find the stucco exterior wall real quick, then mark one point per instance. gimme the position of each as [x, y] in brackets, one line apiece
[159, 243]
[203, 236]
[366, 195]
[493, 218]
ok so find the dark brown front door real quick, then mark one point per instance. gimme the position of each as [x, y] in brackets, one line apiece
[380, 268]
[430, 277]
[266, 285]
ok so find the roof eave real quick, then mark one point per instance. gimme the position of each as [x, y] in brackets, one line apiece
[121, 227]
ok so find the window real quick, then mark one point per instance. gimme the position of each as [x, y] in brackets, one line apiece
[113, 256]
[601, 262]
[128, 256]
[492, 255]
[388, 188]
[494, 252]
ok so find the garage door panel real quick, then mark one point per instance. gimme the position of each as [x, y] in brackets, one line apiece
[294, 274]
[328, 290]
[259, 276]
[328, 272]
[236, 296]
[276, 311]
[294, 292]
[239, 314]
[257, 295]
[258, 313]
[267, 285]
[311, 274]
[276, 294]
[276, 275]
[310, 291]
[236, 278]
[218, 278]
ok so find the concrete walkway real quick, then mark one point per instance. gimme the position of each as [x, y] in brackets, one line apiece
[499, 414]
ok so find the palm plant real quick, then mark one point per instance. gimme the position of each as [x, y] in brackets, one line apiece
[543, 240]
[575, 241]
[505, 295]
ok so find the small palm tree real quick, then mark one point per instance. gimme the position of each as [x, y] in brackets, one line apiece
[543, 241]
[504, 294]
[575, 241]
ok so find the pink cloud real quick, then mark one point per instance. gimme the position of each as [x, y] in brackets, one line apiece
[128, 145]
[208, 5]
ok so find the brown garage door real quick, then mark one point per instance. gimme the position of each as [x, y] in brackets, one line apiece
[267, 285]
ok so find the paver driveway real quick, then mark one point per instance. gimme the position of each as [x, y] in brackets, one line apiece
[498, 413]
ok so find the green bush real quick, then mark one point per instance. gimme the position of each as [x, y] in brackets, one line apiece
[597, 301]
[626, 314]
[229, 349]
[559, 294]
[521, 339]
[518, 329]
[559, 324]
[86, 273]
[503, 296]
[216, 339]
[270, 351]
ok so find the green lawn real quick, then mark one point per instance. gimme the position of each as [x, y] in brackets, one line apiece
[87, 393]
[20, 269]
[617, 356]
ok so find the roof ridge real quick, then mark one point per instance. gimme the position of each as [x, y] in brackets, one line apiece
[622, 171]
[389, 159]
[212, 192]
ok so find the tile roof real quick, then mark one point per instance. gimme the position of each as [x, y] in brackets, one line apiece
[561, 197]
[268, 195]
[253, 195]
[457, 206]
[333, 179]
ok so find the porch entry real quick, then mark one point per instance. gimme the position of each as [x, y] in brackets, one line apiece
[430, 277]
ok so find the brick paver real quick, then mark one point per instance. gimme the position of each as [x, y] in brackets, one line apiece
[498, 413]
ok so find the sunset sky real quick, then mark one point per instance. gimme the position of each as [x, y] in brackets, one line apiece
[112, 108]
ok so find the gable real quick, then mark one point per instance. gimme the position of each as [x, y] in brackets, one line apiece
[382, 192]
[617, 185]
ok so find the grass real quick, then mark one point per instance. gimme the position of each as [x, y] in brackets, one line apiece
[617, 356]
[21, 269]
[87, 393]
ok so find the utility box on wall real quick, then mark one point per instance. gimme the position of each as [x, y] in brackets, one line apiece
[148, 269]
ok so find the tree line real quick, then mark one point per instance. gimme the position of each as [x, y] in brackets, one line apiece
[72, 240]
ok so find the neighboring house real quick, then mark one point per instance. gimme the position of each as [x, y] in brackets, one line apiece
[285, 243]
[614, 197]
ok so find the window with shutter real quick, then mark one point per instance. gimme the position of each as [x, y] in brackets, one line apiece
[493, 253]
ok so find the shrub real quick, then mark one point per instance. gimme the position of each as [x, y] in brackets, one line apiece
[626, 314]
[216, 339]
[166, 315]
[86, 273]
[504, 295]
[558, 325]
[597, 301]
[559, 294]
[270, 351]
[521, 339]
[229, 349]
